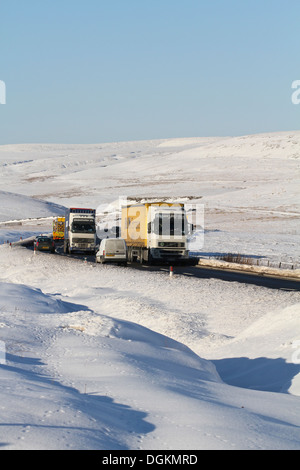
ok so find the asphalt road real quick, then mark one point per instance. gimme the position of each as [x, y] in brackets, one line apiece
[262, 280]
[227, 275]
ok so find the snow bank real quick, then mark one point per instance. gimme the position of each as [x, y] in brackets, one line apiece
[30, 300]
[276, 367]
[16, 207]
[102, 357]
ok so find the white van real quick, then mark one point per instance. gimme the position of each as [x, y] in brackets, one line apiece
[112, 250]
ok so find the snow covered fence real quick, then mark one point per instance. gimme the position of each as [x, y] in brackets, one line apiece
[282, 262]
[263, 270]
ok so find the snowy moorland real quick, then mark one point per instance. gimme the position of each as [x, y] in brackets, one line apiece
[107, 357]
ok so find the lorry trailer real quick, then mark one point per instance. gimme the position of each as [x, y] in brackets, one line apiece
[156, 233]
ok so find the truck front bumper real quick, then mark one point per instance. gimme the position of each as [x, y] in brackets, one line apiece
[168, 254]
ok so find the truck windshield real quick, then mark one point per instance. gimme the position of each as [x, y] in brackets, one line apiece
[169, 224]
[83, 227]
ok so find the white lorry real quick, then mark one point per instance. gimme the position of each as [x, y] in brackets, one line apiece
[80, 230]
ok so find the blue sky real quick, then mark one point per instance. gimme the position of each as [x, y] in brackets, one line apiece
[87, 71]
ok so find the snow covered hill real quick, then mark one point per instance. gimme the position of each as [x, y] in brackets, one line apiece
[106, 357]
[17, 207]
[101, 357]
[249, 185]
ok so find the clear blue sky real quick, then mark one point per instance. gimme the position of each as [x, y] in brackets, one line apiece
[87, 71]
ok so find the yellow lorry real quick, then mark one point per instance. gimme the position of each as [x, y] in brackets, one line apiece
[59, 228]
[156, 233]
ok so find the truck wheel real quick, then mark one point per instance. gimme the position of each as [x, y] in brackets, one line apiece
[132, 258]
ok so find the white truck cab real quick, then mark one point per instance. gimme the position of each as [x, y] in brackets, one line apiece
[156, 232]
[80, 230]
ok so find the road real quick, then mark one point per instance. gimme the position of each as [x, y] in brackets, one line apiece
[270, 282]
[227, 275]
[262, 280]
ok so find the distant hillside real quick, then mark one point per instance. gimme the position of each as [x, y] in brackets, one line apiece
[18, 207]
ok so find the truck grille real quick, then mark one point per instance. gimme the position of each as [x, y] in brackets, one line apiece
[171, 244]
[171, 253]
[82, 241]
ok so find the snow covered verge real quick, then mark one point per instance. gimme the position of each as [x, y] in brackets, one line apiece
[262, 270]
[104, 357]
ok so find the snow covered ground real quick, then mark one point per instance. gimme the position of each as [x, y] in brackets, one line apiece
[106, 357]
